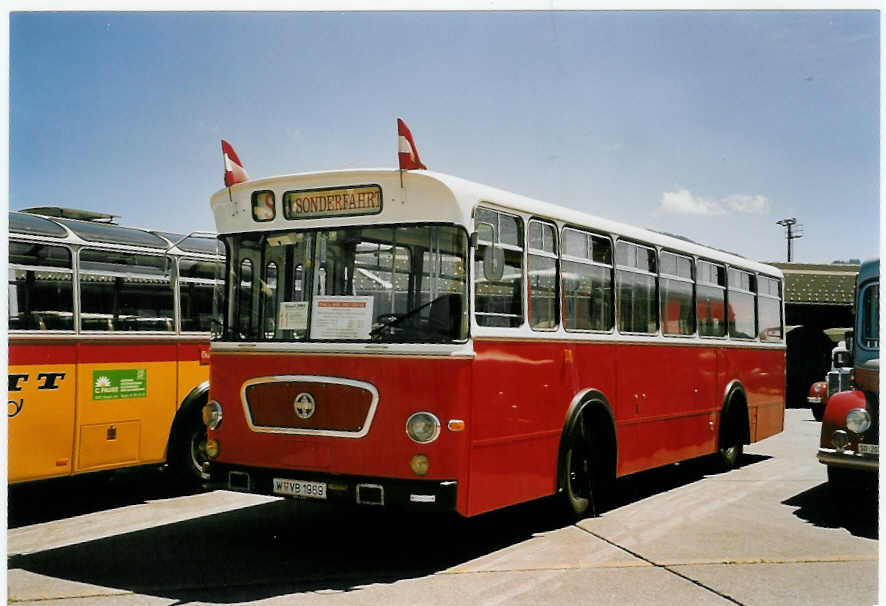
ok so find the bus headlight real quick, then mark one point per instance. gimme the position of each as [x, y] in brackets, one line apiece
[858, 420]
[212, 415]
[422, 427]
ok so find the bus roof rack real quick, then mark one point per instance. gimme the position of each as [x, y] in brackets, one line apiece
[71, 213]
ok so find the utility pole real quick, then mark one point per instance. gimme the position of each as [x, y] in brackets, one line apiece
[794, 231]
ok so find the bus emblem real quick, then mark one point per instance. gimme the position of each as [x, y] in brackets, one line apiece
[305, 405]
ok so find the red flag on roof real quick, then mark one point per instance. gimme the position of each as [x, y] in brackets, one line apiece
[406, 149]
[234, 171]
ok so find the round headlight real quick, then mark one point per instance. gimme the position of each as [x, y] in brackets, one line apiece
[422, 427]
[858, 420]
[212, 415]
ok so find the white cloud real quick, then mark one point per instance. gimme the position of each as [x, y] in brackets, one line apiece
[742, 203]
[683, 202]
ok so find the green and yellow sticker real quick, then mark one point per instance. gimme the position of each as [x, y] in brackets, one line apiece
[119, 384]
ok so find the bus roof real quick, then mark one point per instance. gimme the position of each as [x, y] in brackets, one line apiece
[869, 269]
[99, 231]
[437, 197]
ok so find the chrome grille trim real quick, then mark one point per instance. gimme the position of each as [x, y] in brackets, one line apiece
[310, 379]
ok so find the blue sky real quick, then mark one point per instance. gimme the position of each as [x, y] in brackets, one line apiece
[713, 125]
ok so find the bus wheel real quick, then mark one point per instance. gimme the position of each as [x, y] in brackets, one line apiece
[188, 450]
[731, 445]
[578, 469]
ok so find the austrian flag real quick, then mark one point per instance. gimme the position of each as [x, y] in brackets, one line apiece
[234, 171]
[406, 149]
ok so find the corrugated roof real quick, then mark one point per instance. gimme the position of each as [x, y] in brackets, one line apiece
[819, 284]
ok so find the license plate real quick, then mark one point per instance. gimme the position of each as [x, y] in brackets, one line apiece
[300, 488]
[873, 449]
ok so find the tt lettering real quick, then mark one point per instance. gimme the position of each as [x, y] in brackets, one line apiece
[48, 380]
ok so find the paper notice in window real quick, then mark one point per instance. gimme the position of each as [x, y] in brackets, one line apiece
[293, 315]
[341, 318]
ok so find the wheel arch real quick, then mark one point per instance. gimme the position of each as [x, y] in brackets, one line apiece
[735, 402]
[595, 402]
[196, 399]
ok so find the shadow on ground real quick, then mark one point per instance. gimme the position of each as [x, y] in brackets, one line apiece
[817, 506]
[286, 547]
[38, 502]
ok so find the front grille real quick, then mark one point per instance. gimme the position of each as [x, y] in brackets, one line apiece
[309, 405]
[833, 383]
[838, 381]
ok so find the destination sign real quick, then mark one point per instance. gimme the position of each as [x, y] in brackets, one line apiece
[359, 200]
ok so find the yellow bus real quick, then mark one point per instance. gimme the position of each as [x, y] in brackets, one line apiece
[108, 345]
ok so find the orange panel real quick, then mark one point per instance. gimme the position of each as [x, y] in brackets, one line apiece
[41, 412]
[109, 445]
[155, 407]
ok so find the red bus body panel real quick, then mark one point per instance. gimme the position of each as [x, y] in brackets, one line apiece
[514, 396]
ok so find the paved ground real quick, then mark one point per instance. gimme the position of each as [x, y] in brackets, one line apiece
[763, 534]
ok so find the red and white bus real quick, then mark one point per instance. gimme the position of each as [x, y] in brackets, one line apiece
[412, 338]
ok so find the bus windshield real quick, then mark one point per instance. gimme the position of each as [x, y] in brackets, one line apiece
[404, 283]
[869, 311]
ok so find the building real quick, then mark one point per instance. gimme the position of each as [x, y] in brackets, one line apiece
[818, 296]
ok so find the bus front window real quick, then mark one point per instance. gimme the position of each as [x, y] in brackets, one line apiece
[378, 283]
[870, 317]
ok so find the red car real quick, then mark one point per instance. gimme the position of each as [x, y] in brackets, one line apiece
[817, 398]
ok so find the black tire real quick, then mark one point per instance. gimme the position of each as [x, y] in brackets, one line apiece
[730, 448]
[817, 411]
[581, 473]
[187, 450]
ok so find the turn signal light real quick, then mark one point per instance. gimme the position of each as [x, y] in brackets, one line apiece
[211, 448]
[455, 425]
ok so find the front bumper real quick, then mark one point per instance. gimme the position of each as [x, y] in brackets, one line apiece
[424, 495]
[848, 459]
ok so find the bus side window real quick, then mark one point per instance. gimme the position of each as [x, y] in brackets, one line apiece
[740, 296]
[121, 290]
[635, 279]
[586, 263]
[40, 295]
[677, 308]
[499, 302]
[769, 309]
[543, 282]
[197, 281]
[710, 297]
